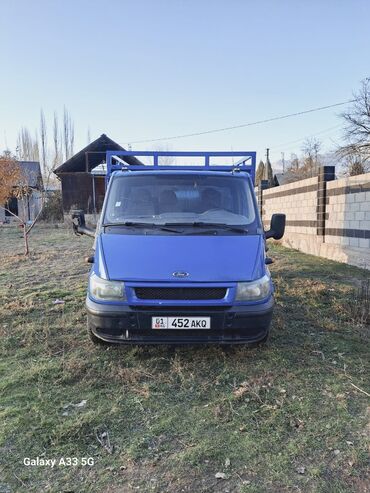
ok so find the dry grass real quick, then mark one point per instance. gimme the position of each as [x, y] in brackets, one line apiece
[176, 417]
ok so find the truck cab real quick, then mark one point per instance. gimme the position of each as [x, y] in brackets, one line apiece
[180, 253]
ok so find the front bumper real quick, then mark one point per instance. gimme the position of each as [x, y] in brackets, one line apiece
[236, 324]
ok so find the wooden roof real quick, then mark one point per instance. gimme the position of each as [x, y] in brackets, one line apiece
[31, 172]
[92, 155]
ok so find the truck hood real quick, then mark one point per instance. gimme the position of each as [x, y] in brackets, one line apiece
[205, 258]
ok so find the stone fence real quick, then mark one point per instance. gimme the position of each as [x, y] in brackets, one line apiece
[324, 216]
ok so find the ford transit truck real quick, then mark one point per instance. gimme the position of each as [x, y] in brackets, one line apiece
[180, 251]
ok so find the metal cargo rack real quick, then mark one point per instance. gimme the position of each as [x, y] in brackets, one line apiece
[246, 161]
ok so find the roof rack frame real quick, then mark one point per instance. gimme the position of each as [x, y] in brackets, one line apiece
[241, 165]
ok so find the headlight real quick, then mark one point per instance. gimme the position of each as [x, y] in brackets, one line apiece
[254, 290]
[102, 289]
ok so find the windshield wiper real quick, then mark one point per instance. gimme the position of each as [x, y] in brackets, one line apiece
[200, 224]
[133, 224]
[229, 227]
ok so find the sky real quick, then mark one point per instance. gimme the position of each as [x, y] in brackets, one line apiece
[146, 69]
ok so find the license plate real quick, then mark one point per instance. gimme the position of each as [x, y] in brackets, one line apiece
[181, 322]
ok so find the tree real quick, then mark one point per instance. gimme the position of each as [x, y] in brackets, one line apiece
[164, 160]
[259, 173]
[310, 148]
[354, 164]
[9, 175]
[268, 173]
[68, 134]
[43, 139]
[294, 162]
[307, 166]
[57, 151]
[27, 146]
[12, 181]
[37, 148]
[356, 151]
[14, 184]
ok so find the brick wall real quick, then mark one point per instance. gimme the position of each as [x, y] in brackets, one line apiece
[348, 208]
[298, 201]
[325, 217]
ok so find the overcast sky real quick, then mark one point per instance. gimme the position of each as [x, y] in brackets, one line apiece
[145, 69]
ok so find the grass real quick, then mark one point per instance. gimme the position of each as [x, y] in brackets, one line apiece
[285, 417]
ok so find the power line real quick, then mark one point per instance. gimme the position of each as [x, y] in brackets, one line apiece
[258, 122]
[321, 132]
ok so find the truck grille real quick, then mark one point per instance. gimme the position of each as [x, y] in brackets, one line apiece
[180, 293]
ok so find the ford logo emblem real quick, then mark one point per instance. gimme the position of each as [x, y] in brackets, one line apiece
[180, 273]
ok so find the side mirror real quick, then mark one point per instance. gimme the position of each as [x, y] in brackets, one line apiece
[277, 227]
[79, 224]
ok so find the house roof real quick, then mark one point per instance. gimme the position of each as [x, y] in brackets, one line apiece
[284, 178]
[31, 173]
[96, 154]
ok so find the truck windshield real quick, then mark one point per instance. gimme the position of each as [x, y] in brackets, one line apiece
[180, 199]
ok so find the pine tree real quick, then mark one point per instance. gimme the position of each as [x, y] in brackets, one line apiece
[259, 173]
[269, 175]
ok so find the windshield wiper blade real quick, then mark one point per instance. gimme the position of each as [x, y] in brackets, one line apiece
[128, 223]
[171, 230]
[134, 224]
[213, 232]
[230, 227]
[199, 224]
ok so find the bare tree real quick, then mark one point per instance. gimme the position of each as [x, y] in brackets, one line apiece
[311, 148]
[68, 134]
[356, 151]
[165, 160]
[13, 183]
[57, 152]
[65, 133]
[71, 137]
[37, 148]
[294, 162]
[27, 146]
[306, 166]
[43, 141]
[354, 164]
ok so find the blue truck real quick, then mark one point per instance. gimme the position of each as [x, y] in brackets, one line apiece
[180, 252]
